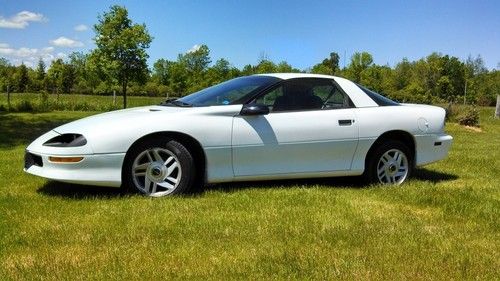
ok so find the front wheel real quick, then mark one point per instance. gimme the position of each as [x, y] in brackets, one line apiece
[391, 163]
[159, 168]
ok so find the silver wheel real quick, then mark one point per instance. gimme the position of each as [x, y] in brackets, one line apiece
[392, 167]
[156, 172]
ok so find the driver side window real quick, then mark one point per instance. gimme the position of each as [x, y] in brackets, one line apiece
[305, 94]
[270, 97]
[337, 99]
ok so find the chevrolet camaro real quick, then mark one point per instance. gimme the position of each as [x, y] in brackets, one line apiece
[259, 127]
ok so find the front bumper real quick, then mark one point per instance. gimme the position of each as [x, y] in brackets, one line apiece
[432, 148]
[94, 169]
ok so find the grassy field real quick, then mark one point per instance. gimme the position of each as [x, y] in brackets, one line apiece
[23, 101]
[443, 224]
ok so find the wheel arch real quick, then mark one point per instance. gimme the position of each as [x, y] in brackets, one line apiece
[399, 135]
[191, 144]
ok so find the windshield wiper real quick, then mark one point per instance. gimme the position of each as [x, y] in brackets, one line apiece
[176, 102]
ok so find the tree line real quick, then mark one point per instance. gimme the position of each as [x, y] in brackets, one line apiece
[118, 64]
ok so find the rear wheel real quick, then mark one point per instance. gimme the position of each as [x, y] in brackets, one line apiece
[390, 163]
[159, 168]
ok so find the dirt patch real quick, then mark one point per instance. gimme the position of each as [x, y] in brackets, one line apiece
[474, 129]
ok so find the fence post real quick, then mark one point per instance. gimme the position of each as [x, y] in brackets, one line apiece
[114, 98]
[497, 111]
[8, 97]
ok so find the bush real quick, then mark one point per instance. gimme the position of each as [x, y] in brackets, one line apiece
[486, 101]
[469, 117]
[451, 112]
[44, 102]
[25, 106]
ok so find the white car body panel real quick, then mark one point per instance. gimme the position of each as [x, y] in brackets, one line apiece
[358, 97]
[265, 144]
[373, 122]
[94, 169]
[275, 146]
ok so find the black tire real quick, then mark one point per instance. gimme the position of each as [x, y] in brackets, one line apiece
[372, 162]
[182, 154]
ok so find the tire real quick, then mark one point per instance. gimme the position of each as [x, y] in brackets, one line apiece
[390, 163]
[159, 167]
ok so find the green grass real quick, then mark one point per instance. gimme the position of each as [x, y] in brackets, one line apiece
[443, 224]
[27, 102]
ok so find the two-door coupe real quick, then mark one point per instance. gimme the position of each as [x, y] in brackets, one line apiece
[271, 126]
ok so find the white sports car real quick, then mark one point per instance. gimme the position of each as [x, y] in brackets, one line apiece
[271, 126]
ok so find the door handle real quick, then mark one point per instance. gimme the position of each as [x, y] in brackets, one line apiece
[346, 122]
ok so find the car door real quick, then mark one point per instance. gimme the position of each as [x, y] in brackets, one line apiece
[310, 128]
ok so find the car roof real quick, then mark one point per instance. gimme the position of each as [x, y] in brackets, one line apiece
[286, 76]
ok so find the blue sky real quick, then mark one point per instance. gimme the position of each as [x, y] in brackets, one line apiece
[300, 32]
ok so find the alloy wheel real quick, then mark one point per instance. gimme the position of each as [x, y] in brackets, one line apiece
[156, 172]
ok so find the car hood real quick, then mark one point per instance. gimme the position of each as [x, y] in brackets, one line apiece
[117, 119]
[115, 131]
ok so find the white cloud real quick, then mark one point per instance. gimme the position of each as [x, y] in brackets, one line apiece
[66, 42]
[26, 52]
[6, 51]
[194, 49]
[20, 53]
[48, 49]
[81, 27]
[61, 55]
[21, 20]
[28, 56]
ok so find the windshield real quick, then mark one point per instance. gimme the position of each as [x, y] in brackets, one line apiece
[229, 92]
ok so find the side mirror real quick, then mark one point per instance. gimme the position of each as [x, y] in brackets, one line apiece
[254, 109]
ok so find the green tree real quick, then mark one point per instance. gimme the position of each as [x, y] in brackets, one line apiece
[55, 76]
[359, 62]
[475, 66]
[39, 77]
[265, 66]
[378, 78]
[98, 68]
[332, 62]
[321, 69]
[121, 47]
[402, 74]
[474, 75]
[5, 80]
[198, 60]
[487, 87]
[453, 70]
[40, 70]
[222, 67]
[196, 63]
[85, 76]
[218, 73]
[68, 77]
[285, 67]
[178, 78]
[329, 66]
[247, 70]
[22, 78]
[161, 71]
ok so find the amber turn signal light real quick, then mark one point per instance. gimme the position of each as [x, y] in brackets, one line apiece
[65, 159]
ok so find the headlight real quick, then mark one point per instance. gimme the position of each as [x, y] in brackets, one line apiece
[67, 140]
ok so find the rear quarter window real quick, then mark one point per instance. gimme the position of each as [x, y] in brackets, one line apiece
[378, 98]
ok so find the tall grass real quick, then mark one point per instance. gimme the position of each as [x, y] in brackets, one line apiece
[38, 102]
